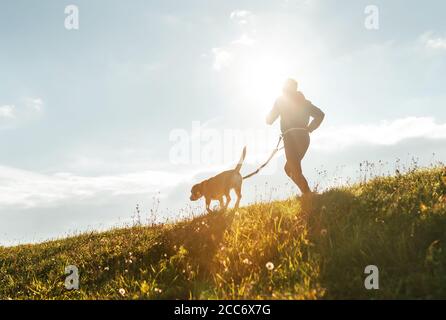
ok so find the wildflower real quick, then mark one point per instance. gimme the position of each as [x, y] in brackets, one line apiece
[106, 268]
[323, 232]
[270, 266]
[158, 290]
[122, 292]
[246, 261]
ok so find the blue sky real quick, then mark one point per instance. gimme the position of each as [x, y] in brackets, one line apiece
[86, 116]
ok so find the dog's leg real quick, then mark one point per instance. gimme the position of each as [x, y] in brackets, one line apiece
[208, 203]
[238, 190]
[228, 199]
[222, 205]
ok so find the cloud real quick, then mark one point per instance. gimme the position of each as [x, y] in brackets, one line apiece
[52, 203]
[7, 112]
[242, 17]
[25, 110]
[222, 58]
[244, 40]
[225, 55]
[384, 133]
[25, 189]
[35, 104]
[432, 41]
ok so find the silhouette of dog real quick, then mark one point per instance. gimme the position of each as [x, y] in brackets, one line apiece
[220, 186]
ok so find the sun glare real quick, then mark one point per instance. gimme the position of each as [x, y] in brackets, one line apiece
[261, 80]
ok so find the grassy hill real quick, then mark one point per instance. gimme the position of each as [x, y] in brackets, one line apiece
[273, 250]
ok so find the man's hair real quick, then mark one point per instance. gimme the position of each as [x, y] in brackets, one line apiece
[290, 85]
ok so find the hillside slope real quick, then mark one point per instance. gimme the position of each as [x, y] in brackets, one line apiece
[268, 250]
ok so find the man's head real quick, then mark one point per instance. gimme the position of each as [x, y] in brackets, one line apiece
[290, 85]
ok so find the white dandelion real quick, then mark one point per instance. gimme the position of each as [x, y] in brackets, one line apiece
[270, 266]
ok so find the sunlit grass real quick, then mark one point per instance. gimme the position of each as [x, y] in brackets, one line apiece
[271, 250]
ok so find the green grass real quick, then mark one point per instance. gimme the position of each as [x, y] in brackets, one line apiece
[396, 223]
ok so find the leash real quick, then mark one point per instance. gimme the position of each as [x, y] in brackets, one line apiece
[277, 149]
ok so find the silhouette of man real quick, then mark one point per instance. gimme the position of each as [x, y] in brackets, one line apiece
[295, 112]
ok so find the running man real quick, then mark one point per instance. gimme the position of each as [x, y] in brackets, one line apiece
[295, 112]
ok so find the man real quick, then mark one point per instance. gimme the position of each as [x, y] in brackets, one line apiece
[295, 112]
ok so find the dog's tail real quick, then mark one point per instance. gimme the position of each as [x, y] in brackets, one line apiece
[242, 158]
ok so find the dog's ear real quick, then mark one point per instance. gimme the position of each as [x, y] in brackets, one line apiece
[197, 188]
[203, 184]
[196, 192]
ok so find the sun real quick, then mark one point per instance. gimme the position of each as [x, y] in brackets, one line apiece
[261, 80]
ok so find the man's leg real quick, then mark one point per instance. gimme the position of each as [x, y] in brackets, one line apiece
[296, 146]
[294, 170]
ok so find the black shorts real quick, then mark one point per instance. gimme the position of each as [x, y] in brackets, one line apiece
[296, 144]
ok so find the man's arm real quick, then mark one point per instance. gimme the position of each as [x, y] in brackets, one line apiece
[273, 114]
[317, 115]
